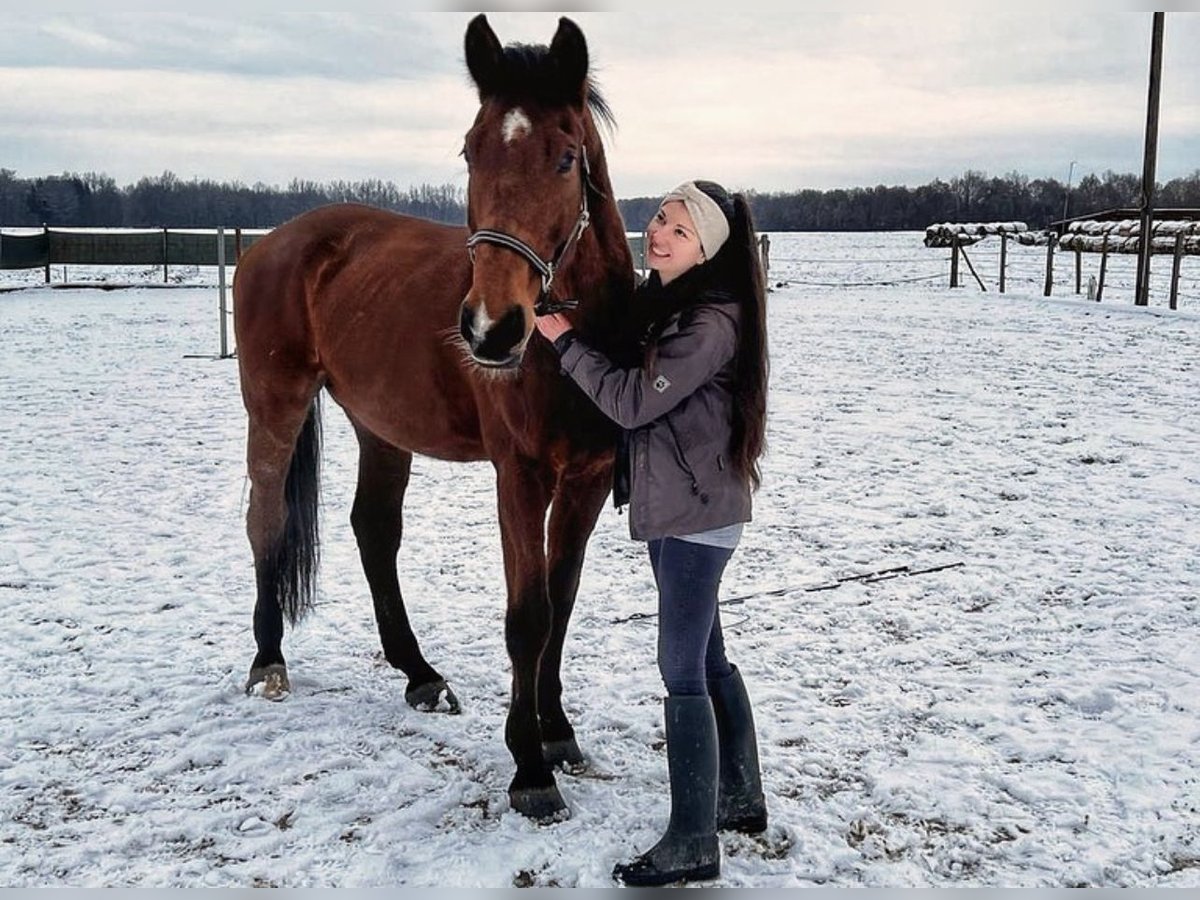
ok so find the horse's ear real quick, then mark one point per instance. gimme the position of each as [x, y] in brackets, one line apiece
[570, 52]
[485, 56]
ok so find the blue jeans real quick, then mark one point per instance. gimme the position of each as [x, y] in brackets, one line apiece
[691, 648]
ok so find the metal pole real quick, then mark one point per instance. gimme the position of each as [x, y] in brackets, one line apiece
[221, 292]
[1103, 268]
[1067, 198]
[1003, 261]
[1175, 270]
[1150, 161]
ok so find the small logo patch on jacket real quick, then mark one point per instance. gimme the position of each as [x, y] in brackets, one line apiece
[661, 384]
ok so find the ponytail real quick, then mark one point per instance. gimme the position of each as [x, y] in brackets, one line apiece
[746, 277]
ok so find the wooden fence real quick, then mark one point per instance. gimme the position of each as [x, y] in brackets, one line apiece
[1177, 238]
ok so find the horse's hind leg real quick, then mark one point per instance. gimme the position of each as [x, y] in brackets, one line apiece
[283, 459]
[378, 521]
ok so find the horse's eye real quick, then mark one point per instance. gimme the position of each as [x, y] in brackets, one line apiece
[564, 164]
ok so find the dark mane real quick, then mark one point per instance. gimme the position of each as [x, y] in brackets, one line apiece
[530, 72]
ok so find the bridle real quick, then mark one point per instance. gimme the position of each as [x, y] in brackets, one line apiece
[546, 268]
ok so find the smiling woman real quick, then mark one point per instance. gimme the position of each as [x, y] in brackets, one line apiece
[692, 407]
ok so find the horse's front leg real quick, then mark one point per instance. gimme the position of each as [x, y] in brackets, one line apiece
[578, 499]
[524, 488]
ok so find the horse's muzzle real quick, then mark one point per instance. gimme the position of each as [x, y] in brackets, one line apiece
[496, 344]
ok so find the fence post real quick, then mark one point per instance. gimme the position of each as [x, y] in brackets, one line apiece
[764, 244]
[954, 261]
[237, 245]
[1050, 263]
[1078, 271]
[1003, 259]
[164, 254]
[1103, 267]
[221, 292]
[46, 232]
[1175, 270]
[1141, 288]
[971, 266]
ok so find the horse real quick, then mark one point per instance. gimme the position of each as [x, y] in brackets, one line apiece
[423, 334]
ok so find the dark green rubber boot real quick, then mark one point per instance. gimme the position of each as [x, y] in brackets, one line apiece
[740, 802]
[689, 851]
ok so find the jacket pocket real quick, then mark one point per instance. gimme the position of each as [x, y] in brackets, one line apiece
[682, 459]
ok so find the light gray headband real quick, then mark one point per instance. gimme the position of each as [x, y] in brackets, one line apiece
[711, 224]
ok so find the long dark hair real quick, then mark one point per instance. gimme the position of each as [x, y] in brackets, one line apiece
[737, 268]
[733, 274]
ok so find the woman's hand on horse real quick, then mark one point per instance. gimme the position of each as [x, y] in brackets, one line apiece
[553, 326]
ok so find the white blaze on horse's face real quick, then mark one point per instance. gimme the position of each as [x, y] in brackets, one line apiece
[516, 125]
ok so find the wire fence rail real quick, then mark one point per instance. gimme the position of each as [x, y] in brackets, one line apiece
[116, 258]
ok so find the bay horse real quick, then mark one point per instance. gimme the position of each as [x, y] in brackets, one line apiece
[423, 333]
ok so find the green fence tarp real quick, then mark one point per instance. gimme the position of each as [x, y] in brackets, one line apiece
[101, 249]
[146, 248]
[23, 251]
[108, 248]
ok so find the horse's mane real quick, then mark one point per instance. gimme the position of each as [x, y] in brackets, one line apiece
[529, 71]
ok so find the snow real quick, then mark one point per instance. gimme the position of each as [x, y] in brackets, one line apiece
[1028, 718]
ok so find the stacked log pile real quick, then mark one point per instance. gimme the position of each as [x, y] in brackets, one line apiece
[1125, 235]
[947, 234]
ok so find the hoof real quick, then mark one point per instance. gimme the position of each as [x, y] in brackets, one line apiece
[544, 805]
[565, 754]
[274, 681]
[433, 696]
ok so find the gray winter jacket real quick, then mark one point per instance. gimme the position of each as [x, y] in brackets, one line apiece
[680, 419]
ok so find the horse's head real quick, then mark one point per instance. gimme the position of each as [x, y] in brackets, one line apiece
[527, 189]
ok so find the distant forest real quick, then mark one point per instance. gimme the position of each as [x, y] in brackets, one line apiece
[166, 200]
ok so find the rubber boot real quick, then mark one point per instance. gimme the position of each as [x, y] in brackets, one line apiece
[740, 802]
[689, 851]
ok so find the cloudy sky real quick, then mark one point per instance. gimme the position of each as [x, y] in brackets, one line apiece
[766, 100]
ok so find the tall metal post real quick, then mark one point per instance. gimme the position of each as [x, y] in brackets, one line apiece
[1067, 196]
[1150, 162]
[221, 292]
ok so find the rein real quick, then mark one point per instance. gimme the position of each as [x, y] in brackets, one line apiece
[546, 268]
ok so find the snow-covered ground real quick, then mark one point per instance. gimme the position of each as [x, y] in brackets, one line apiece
[1029, 717]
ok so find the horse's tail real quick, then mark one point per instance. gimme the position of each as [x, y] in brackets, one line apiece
[298, 553]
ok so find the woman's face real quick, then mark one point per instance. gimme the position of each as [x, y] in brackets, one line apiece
[672, 245]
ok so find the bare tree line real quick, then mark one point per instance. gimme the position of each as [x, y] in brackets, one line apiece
[95, 200]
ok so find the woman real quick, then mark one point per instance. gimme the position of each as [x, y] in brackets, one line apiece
[693, 415]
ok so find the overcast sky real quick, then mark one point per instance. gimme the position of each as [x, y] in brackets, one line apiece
[768, 100]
